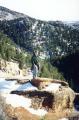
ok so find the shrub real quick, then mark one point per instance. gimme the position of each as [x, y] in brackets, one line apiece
[47, 70]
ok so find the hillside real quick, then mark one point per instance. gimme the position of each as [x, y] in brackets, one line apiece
[49, 96]
[56, 37]
[6, 14]
[11, 57]
[53, 39]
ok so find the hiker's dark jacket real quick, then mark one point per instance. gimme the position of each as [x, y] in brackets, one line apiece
[34, 60]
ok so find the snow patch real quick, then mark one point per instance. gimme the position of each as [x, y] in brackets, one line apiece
[26, 87]
[9, 17]
[52, 87]
[7, 86]
[18, 101]
[2, 79]
[34, 26]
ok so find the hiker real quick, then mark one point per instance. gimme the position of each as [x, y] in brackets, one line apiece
[35, 65]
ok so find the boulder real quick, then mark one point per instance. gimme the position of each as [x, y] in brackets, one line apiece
[43, 82]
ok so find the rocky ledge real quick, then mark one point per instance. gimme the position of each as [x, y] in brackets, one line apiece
[41, 97]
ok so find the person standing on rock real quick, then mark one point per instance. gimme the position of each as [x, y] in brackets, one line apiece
[35, 65]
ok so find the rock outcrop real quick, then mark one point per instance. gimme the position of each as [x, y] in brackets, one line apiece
[8, 69]
[53, 98]
[19, 113]
[52, 101]
[43, 82]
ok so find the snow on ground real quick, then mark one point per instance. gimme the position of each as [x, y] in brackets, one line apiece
[52, 87]
[7, 86]
[34, 25]
[2, 79]
[26, 87]
[19, 101]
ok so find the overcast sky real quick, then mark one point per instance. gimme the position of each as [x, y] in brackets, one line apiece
[65, 10]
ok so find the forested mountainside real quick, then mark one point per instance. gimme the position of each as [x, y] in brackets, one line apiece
[55, 36]
[9, 51]
[60, 39]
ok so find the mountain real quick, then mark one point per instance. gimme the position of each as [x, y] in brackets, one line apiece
[6, 14]
[56, 37]
[76, 25]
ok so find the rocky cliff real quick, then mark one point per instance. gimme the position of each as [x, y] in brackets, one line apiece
[7, 69]
[53, 101]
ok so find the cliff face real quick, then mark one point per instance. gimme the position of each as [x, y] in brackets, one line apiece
[8, 69]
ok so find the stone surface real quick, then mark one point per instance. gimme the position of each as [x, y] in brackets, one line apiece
[43, 82]
[20, 113]
[57, 104]
[7, 69]
[52, 101]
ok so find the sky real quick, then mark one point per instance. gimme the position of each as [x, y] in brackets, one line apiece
[64, 10]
